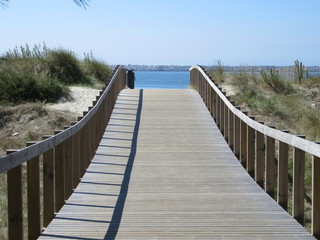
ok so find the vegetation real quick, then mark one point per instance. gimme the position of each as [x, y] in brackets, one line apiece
[291, 105]
[42, 74]
[30, 78]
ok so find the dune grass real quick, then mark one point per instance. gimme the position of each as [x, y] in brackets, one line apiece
[294, 106]
[29, 78]
[43, 74]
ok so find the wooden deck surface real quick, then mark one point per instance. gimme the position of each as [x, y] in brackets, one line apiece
[164, 171]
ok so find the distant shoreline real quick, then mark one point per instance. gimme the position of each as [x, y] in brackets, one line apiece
[183, 68]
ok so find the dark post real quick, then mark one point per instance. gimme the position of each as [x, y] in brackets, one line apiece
[130, 79]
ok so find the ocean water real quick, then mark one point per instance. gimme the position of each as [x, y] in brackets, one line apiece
[161, 80]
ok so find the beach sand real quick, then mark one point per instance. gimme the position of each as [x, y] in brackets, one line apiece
[80, 99]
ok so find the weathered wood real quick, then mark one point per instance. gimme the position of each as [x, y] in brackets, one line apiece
[48, 186]
[226, 122]
[315, 223]
[270, 166]
[82, 149]
[298, 185]
[260, 158]
[282, 193]
[231, 130]
[75, 158]
[152, 178]
[237, 127]
[250, 151]
[15, 215]
[68, 168]
[243, 143]
[305, 145]
[59, 165]
[14, 159]
[33, 187]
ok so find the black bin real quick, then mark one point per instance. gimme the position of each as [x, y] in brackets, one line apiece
[130, 78]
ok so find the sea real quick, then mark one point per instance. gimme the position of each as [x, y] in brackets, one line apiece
[167, 79]
[162, 80]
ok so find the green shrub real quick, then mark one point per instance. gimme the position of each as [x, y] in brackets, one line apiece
[97, 69]
[273, 80]
[17, 87]
[64, 66]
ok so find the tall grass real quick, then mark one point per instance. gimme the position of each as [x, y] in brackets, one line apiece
[19, 87]
[96, 68]
[30, 74]
[63, 65]
[273, 80]
[218, 73]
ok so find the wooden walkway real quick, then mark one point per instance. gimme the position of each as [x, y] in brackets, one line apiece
[164, 171]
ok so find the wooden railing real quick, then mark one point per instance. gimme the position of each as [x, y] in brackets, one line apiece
[254, 144]
[65, 157]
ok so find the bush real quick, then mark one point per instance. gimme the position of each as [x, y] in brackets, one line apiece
[98, 69]
[273, 80]
[64, 66]
[16, 87]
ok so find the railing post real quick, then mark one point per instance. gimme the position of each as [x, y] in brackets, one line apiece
[82, 150]
[237, 130]
[214, 106]
[243, 142]
[59, 174]
[226, 121]
[250, 149]
[298, 185]
[260, 158]
[218, 118]
[222, 108]
[270, 166]
[48, 186]
[68, 168]
[230, 128]
[75, 158]
[282, 194]
[315, 223]
[33, 186]
[15, 215]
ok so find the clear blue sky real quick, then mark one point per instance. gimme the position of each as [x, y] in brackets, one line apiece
[181, 32]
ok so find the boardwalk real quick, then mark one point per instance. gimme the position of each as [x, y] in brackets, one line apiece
[164, 171]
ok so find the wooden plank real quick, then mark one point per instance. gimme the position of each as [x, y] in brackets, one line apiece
[15, 215]
[237, 130]
[59, 174]
[260, 159]
[243, 143]
[282, 193]
[33, 187]
[250, 151]
[48, 186]
[68, 168]
[305, 145]
[298, 185]
[157, 169]
[9, 161]
[315, 223]
[75, 159]
[270, 166]
[231, 130]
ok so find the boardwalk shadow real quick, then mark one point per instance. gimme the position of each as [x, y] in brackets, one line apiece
[118, 211]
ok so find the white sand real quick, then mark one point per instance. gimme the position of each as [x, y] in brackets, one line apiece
[81, 99]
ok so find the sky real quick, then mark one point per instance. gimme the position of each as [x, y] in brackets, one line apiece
[170, 32]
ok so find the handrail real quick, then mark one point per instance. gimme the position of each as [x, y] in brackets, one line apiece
[12, 160]
[254, 144]
[295, 141]
[65, 157]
